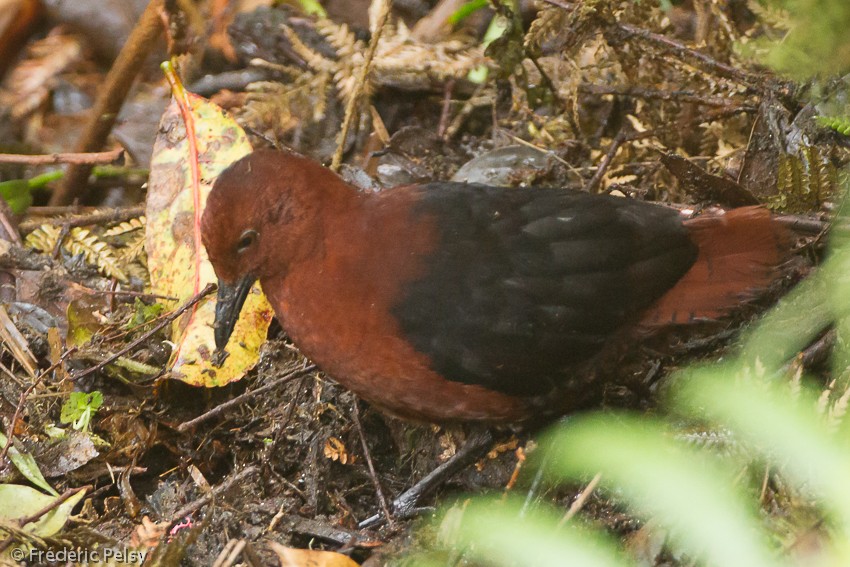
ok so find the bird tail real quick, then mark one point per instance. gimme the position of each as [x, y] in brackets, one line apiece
[740, 253]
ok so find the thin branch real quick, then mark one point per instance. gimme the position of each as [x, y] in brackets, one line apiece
[654, 94]
[83, 158]
[109, 360]
[360, 85]
[53, 505]
[226, 485]
[218, 410]
[98, 216]
[684, 52]
[374, 475]
[127, 293]
[594, 182]
[114, 90]
[563, 5]
[582, 497]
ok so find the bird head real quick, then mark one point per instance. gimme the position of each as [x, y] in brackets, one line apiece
[264, 213]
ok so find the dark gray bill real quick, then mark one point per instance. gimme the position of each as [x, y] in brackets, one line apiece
[228, 306]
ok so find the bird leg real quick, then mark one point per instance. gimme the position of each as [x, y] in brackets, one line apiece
[405, 505]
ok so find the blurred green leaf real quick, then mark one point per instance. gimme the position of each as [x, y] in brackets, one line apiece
[500, 533]
[817, 43]
[18, 192]
[17, 501]
[787, 431]
[686, 490]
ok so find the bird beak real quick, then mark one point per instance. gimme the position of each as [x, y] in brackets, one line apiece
[228, 305]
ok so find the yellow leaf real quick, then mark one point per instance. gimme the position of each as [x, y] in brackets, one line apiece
[291, 557]
[197, 140]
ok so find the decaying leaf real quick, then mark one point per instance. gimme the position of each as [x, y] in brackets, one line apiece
[401, 60]
[292, 557]
[335, 450]
[197, 141]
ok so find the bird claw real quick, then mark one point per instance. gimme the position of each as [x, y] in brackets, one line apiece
[405, 505]
[398, 512]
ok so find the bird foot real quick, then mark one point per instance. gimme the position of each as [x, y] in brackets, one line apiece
[405, 505]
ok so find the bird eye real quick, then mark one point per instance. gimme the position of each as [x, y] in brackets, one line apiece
[248, 238]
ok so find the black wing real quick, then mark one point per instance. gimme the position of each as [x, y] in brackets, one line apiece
[527, 282]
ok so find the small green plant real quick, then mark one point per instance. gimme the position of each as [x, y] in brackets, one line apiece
[142, 313]
[80, 408]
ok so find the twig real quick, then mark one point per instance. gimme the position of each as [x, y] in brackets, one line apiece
[478, 445]
[230, 553]
[535, 484]
[84, 158]
[715, 114]
[684, 52]
[109, 360]
[45, 211]
[548, 81]
[142, 294]
[378, 490]
[112, 94]
[654, 94]
[193, 507]
[8, 224]
[99, 216]
[764, 484]
[17, 344]
[335, 534]
[53, 505]
[606, 162]
[58, 501]
[475, 101]
[360, 84]
[184, 427]
[446, 110]
[578, 503]
[24, 396]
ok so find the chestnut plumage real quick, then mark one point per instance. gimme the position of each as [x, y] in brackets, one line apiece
[449, 301]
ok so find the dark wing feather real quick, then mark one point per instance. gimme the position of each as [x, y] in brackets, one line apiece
[526, 282]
